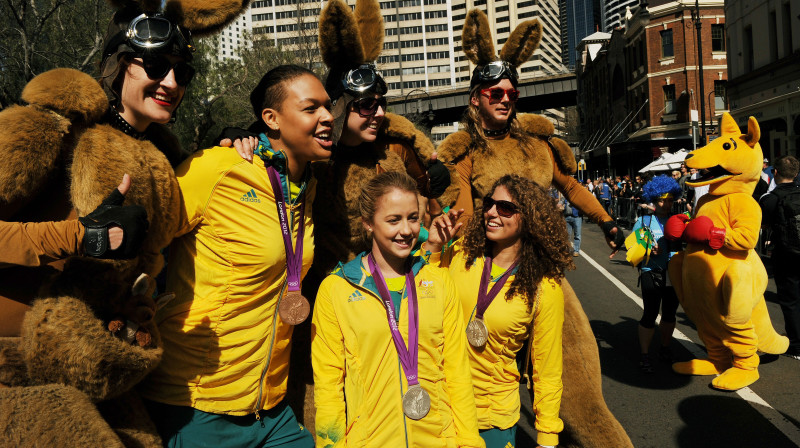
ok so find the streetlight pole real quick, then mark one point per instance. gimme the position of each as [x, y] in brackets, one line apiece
[702, 95]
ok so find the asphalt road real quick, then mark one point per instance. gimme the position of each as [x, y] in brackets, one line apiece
[664, 409]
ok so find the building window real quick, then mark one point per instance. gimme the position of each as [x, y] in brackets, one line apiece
[718, 37]
[390, 45]
[439, 55]
[667, 51]
[388, 59]
[411, 30]
[747, 49]
[390, 31]
[501, 8]
[434, 28]
[439, 82]
[261, 4]
[411, 43]
[720, 95]
[437, 41]
[669, 99]
[435, 14]
[261, 17]
[412, 57]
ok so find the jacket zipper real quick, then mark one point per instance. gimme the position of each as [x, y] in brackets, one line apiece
[274, 316]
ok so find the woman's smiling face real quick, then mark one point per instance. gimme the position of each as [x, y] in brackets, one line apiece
[144, 100]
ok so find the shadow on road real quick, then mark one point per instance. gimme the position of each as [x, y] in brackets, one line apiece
[619, 356]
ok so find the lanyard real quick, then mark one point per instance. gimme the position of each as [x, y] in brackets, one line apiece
[408, 357]
[485, 297]
[294, 258]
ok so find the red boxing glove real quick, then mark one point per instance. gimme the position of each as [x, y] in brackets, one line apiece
[701, 230]
[675, 226]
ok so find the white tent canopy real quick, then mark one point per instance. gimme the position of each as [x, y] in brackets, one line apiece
[667, 161]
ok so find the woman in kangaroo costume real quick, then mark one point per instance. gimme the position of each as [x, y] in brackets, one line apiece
[79, 335]
[368, 141]
[495, 143]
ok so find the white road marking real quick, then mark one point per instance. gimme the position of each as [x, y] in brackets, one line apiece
[780, 422]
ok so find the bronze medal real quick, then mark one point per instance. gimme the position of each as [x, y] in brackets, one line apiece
[416, 402]
[293, 308]
[477, 333]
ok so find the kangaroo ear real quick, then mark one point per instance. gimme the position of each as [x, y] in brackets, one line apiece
[339, 40]
[728, 125]
[202, 17]
[522, 42]
[476, 38]
[753, 132]
[370, 24]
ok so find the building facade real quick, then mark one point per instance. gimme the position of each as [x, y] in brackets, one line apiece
[764, 67]
[579, 18]
[422, 44]
[640, 93]
[232, 40]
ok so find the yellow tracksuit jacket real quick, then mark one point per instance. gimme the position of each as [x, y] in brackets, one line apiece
[495, 376]
[359, 382]
[226, 350]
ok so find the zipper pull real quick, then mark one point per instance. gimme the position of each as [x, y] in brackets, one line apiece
[258, 416]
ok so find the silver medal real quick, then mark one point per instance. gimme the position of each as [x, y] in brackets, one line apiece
[477, 333]
[416, 402]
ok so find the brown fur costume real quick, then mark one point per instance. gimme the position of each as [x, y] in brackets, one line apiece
[587, 420]
[68, 378]
[547, 161]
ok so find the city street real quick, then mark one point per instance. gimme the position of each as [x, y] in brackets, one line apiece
[665, 409]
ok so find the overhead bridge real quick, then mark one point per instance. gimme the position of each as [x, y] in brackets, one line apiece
[447, 106]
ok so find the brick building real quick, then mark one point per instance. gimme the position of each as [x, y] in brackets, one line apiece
[637, 94]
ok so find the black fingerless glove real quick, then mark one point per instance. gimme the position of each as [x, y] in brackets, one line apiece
[132, 219]
[619, 238]
[234, 134]
[439, 178]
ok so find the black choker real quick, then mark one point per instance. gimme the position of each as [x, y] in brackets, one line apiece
[117, 122]
[496, 132]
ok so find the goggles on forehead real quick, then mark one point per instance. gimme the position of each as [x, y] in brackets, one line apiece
[155, 33]
[495, 70]
[362, 78]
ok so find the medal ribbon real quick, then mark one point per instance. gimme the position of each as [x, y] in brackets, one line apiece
[408, 357]
[485, 298]
[294, 257]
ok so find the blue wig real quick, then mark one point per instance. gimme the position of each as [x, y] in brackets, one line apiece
[659, 186]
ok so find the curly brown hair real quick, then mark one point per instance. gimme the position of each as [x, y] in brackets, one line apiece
[545, 245]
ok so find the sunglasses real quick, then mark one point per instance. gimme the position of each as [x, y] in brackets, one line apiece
[506, 209]
[496, 94]
[157, 67]
[368, 107]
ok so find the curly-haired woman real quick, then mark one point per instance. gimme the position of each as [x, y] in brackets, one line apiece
[514, 254]
[655, 291]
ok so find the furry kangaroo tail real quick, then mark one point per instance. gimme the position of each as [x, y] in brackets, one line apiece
[769, 341]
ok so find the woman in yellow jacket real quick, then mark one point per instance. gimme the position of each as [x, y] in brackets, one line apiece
[388, 344]
[247, 242]
[514, 255]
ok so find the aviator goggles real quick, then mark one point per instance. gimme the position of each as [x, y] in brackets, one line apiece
[496, 94]
[506, 209]
[495, 70]
[364, 78]
[157, 67]
[148, 34]
[368, 107]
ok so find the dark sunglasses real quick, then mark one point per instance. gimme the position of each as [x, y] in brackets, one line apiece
[158, 67]
[496, 94]
[506, 209]
[367, 107]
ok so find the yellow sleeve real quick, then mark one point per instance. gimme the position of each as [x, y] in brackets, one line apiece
[444, 257]
[197, 178]
[327, 360]
[457, 371]
[547, 363]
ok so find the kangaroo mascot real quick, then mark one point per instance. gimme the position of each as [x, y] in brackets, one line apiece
[719, 278]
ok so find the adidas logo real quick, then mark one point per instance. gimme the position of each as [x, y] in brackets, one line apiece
[355, 297]
[250, 196]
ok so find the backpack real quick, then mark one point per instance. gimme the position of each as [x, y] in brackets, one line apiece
[786, 225]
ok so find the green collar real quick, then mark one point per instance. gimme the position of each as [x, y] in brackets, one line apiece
[277, 160]
[352, 272]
